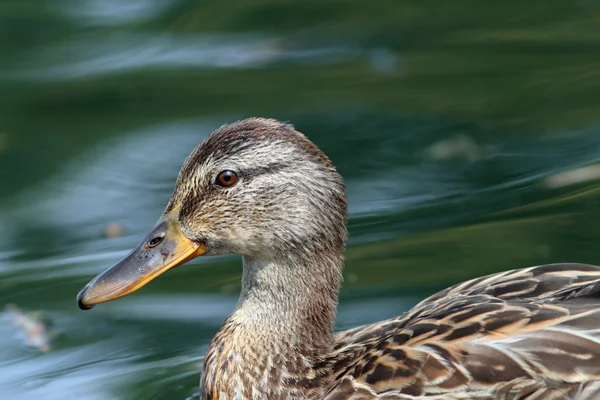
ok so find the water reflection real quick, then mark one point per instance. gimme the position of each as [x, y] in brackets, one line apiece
[469, 144]
[119, 53]
[114, 12]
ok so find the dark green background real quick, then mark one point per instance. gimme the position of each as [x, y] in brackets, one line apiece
[448, 120]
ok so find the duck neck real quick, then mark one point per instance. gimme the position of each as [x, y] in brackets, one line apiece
[296, 299]
[280, 330]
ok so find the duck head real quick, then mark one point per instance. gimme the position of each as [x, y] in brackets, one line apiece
[257, 188]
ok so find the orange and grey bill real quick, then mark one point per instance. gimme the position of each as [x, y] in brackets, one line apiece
[163, 249]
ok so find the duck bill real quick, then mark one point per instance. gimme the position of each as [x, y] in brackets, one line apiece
[163, 249]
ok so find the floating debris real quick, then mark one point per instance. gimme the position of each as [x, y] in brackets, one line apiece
[572, 177]
[113, 230]
[460, 146]
[36, 334]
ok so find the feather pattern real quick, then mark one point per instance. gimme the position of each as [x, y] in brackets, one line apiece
[528, 334]
[532, 333]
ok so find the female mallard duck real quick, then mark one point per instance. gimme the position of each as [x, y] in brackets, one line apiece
[260, 189]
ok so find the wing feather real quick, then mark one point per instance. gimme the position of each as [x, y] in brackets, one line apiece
[531, 333]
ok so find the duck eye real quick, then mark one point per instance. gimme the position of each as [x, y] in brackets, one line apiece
[155, 241]
[226, 178]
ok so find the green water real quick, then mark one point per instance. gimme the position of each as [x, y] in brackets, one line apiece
[449, 121]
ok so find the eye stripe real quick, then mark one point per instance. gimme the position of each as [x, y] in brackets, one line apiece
[263, 170]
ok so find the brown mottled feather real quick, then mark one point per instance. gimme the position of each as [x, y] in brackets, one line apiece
[525, 334]
[532, 333]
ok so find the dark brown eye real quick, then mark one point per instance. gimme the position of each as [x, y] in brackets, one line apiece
[226, 178]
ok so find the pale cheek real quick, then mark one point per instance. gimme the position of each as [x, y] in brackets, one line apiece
[243, 240]
[235, 235]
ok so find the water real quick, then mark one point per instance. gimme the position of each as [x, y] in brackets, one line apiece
[468, 135]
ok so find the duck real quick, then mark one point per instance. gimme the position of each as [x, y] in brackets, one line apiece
[260, 189]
